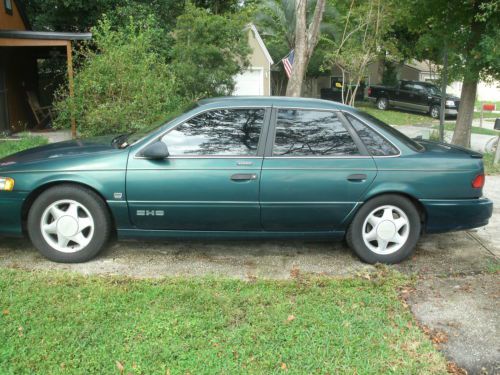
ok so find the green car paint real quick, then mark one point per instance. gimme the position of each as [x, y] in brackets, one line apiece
[284, 196]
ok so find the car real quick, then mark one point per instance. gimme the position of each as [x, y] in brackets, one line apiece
[414, 96]
[245, 167]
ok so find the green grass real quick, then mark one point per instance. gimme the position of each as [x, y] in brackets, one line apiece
[12, 146]
[489, 167]
[52, 323]
[396, 117]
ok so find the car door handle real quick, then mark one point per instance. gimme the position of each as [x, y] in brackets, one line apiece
[357, 177]
[243, 176]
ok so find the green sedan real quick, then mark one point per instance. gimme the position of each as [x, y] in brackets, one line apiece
[247, 167]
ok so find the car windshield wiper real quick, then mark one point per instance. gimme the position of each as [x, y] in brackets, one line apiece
[120, 140]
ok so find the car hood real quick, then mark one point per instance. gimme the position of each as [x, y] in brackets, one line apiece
[74, 148]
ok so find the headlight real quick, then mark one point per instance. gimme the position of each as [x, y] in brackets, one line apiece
[6, 184]
[450, 103]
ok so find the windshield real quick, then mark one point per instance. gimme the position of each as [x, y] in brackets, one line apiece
[415, 146]
[134, 137]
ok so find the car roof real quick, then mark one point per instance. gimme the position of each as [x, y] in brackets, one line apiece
[267, 101]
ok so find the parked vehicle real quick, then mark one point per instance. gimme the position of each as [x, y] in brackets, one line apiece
[262, 167]
[413, 95]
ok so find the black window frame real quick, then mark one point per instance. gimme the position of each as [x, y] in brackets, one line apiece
[260, 145]
[271, 135]
[9, 10]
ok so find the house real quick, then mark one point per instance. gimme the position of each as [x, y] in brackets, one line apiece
[21, 49]
[256, 79]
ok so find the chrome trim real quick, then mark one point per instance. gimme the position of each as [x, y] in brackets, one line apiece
[318, 169]
[194, 115]
[378, 132]
[319, 157]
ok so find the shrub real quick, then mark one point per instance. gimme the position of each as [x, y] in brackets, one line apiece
[123, 84]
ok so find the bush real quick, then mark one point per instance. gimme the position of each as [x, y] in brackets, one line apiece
[123, 84]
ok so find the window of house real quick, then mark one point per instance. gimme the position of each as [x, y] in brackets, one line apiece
[311, 133]
[8, 6]
[219, 132]
[374, 142]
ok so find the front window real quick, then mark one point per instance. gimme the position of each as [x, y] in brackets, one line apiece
[311, 133]
[433, 90]
[220, 132]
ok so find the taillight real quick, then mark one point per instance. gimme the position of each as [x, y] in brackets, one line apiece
[369, 91]
[478, 181]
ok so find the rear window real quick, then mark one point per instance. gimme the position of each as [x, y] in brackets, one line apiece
[374, 142]
[415, 146]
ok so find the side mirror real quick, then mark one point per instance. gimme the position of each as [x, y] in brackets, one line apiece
[497, 124]
[156, 151]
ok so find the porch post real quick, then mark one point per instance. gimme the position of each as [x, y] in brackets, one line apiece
[71, 83]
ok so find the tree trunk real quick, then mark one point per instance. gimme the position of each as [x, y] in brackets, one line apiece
[461, 136]
[306, 39]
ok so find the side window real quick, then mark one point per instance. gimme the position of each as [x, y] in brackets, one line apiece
[407, 86]
[374, 142]
[311, 133]
[218, 132]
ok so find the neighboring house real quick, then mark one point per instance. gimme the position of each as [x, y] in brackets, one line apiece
[256, 79]
[412, 70]
[20, 50]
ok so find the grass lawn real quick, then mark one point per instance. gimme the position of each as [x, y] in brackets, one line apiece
[475, 129]
[489, 167]
[53, 323]
[396, 117]
[25, 142]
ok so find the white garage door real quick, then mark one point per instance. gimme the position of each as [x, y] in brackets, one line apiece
[250, 82]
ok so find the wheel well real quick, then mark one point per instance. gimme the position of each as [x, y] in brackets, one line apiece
[39, 190]
[418, 205]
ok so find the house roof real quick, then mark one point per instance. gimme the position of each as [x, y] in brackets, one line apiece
[261, 43]
[46, 35]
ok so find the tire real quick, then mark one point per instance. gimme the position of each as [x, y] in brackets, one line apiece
[434, 111]
[382, 103]
[69, 224]
[387, 213]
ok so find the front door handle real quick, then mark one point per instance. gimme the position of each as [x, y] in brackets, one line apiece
[357, 177]
[244, 176]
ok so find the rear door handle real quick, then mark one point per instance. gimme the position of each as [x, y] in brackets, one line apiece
[357, 177]
[243, 176]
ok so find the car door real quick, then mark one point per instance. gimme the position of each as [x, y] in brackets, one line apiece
[210, 181]
[421, 99]
[314, 173]
[405, 95]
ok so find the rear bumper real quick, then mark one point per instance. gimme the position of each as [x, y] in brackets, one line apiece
[458, 214]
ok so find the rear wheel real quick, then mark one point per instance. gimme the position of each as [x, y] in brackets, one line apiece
[69, 224]
[435, 111]
[382, 103]
[385, 230]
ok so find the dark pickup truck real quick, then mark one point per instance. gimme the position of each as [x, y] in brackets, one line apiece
[414, 96]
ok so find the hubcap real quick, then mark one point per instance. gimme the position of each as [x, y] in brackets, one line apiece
[67, 226]
[386, 229]
[382, 104]
[435, 112]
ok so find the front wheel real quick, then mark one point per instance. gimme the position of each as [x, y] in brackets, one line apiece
[435, 111]
[385, 230]
[69, 224]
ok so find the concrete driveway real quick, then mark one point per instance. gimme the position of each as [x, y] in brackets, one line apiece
[457, 292]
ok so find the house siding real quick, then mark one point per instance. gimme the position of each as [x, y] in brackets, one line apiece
[12, 21]
[258, 60]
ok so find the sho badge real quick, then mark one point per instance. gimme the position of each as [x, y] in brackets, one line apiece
[150, 213]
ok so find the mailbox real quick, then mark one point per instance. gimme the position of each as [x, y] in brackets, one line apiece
[497, 124]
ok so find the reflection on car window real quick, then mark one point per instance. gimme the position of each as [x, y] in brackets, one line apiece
[311, 133]
[374, 142]
[218, 132]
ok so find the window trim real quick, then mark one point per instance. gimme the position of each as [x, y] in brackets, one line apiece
[376, 131]
[271, 137]
[9, 11]
[260, 146]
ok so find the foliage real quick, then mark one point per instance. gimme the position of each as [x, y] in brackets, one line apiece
[54, 323]
[366, 32]
[9, 147]
[123, 85]
[489, 167]
[209, 51]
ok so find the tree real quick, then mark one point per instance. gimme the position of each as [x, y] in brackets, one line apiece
[306, 39]
[209, 51]
[470, 31]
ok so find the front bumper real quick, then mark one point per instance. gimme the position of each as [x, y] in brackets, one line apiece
[451, 111]
[457, 214]
[11, 214]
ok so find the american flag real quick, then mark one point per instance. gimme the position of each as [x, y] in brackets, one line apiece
[288, 62]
